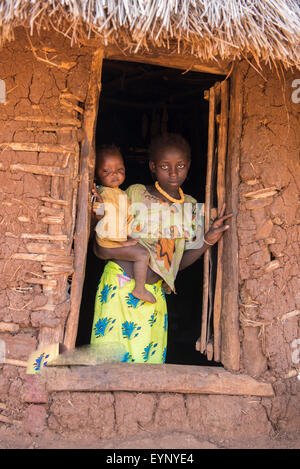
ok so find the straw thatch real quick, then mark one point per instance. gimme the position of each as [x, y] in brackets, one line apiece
[268, 30]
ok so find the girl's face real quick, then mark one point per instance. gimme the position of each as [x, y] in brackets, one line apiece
[111, 170]
[170, 168]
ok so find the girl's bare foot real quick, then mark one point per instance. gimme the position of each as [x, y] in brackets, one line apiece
[144, 294]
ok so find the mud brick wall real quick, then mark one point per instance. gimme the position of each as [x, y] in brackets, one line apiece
[269, 232]
[46, 83]
[127, 414]
[39, 159]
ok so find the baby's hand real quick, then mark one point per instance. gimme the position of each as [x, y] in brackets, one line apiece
[97, 201]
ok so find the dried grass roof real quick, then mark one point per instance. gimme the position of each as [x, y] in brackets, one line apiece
[268, 30]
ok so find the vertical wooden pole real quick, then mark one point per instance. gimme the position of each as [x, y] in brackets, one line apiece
[206, 262]
[222, 151]
[83, 207]
[230, 347]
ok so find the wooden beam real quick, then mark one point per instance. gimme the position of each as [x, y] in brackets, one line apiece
[87, 160]
[43, 170]
[230, 348]
[153, 378]
[158, 57]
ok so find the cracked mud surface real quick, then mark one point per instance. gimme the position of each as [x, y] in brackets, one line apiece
[168, 440]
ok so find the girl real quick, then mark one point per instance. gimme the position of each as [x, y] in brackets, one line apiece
[119, 316]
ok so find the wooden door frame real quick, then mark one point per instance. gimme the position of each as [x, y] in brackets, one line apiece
[230, 349]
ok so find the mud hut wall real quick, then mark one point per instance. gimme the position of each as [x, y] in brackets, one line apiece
[46, 83]
[269, 230]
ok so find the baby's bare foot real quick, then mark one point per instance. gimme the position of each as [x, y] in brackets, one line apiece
[143, 294]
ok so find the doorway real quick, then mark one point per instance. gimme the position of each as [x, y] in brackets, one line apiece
[138, 102]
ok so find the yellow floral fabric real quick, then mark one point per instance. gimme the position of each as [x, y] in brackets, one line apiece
[140, 327]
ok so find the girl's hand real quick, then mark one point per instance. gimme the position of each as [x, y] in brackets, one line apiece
[217, 229]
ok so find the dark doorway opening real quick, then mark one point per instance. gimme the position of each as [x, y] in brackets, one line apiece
[138, 102]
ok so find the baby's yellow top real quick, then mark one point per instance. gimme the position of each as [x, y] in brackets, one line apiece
[114, 227]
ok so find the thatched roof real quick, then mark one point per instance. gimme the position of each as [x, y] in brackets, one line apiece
[268, 30]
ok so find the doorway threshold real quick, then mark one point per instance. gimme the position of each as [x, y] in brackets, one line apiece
[139, 377]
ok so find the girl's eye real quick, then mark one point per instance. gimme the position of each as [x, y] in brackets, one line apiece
[164, 166]
[180, 166]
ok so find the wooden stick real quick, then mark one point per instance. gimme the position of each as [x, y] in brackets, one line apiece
[11, 361]
[262, 193]
[68, 95]
[9, 421]
[222, 151]
[48, 120]
[292, 373]
[83, 217]
[44, 237]
[44, 170]
[41, 281]
[210, 350]
[67, 260]
[53, 220]
[57, 212]
[207, 207]
[64, 271]
[289, 315]
[41, 248]
[72, 106]
[38, 147]
[9, 327]
[55, 201]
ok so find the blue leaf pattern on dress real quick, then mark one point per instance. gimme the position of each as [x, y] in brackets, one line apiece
[127, 358]
[38, 362]
[164, 355]
[104, 294]
[132, 301]
[166, 322]
[128, 329]
[152, 319]
[102, 325]
[147, 350]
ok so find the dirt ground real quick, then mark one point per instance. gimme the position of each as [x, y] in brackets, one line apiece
[12, 439]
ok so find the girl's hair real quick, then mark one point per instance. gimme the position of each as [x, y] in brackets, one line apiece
[168, 141]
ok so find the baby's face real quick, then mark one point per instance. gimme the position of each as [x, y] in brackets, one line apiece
[111, 170]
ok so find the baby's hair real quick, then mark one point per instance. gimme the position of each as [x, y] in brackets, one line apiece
[107, 149]
[168, 141]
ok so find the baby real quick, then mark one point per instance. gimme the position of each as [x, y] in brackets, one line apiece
[113, 228]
